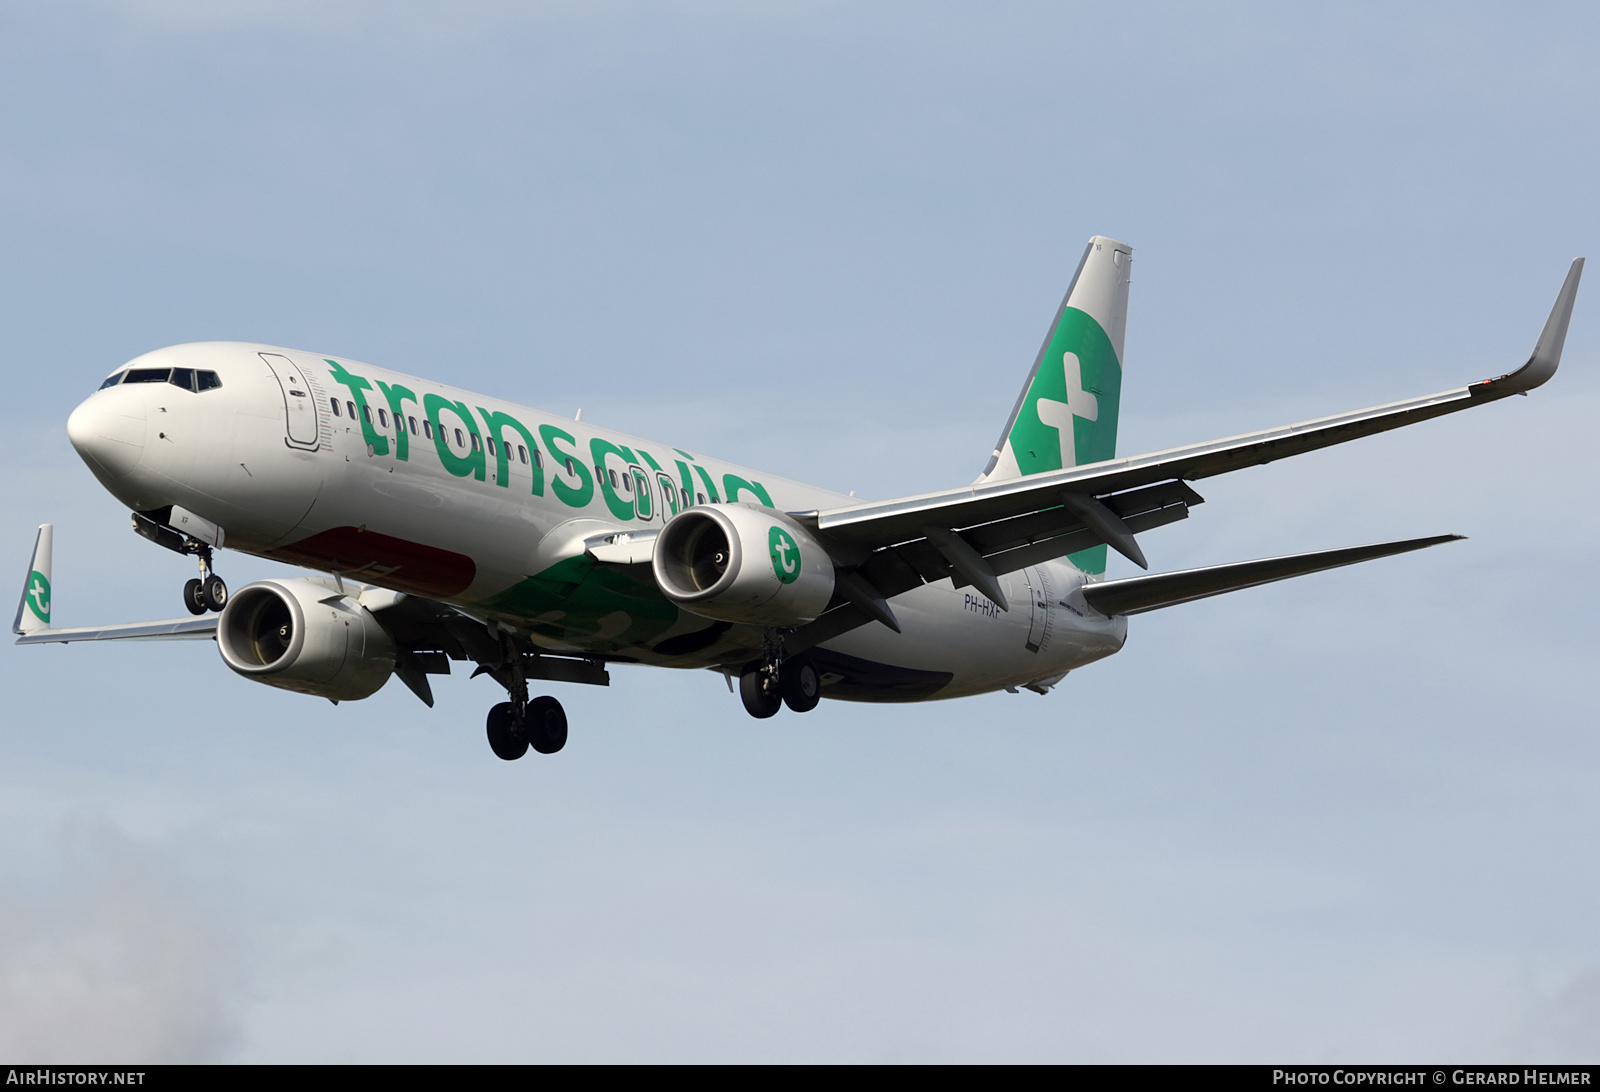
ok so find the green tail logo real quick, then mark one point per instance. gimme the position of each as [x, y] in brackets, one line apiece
[1069, 417]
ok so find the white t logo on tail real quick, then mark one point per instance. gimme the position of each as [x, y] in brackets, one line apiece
[1079, 403]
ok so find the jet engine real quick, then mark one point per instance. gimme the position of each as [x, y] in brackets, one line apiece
[302, 636]
[743, 563]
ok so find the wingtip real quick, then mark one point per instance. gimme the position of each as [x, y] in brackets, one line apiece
[1546, 356]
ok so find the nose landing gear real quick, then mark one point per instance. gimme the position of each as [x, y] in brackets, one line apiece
[208, 592]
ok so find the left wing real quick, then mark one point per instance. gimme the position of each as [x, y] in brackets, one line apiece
[975, 534]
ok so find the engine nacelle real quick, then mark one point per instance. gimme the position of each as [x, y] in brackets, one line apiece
[302, 636]
[743, 563]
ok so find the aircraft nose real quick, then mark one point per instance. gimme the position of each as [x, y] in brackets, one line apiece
[108, 433]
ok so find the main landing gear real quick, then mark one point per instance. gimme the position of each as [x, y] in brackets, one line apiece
[518, 724]
[542, 725]
[208, 592]
[778, 681]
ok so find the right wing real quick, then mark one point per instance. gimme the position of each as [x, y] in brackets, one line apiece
[427, 634]
[170, 629]
[32, 624]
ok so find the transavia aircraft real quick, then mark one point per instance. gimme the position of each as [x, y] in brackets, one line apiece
[455, 527]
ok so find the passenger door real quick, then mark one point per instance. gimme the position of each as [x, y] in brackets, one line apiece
[300, 406]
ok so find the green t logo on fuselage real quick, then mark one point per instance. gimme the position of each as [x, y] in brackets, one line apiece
[785, 554]
[39, 596]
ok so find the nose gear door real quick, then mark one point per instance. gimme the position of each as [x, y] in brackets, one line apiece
[300, 405]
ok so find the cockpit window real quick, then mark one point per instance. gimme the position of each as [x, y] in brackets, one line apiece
[112, 380]
[206, 381]
[147, 375]
[183, 377]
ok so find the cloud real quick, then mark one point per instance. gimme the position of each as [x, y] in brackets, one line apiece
[110, 965]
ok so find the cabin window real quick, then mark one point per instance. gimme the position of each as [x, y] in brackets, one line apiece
[476, 446]
[599, 473]
[570, 471]
[183, 377]
[461, 441]
[490, 444]
[383, 418]
[412, 421]
[522, 453]
[112, 380]
[335, 404]
[627, 484]
[366, 414]
[613, 479]
[148, 375]
[351, 406]
[538, 461]
[685, 493]
[699, 498]
[427, 429]
[206, 381]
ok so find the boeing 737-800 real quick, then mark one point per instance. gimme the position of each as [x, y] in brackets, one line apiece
[455, 527]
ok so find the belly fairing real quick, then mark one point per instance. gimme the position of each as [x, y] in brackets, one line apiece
[594, 607]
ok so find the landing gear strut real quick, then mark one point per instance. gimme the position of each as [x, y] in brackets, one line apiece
[208, 592]
[518, 724]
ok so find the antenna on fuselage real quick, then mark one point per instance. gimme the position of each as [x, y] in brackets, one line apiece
[579, 415]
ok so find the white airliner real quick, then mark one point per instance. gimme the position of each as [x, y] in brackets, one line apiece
[456, 527]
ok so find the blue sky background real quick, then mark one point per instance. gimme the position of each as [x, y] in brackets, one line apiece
[1347, 817]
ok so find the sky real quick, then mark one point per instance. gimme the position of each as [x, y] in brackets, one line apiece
[1347, 817]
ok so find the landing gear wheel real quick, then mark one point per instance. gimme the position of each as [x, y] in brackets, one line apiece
[546, 725]
[213, 592]
[193, 597]
[759, 701]
[800, 684]
[506, 739]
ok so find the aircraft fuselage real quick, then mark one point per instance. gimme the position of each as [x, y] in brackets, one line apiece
[411, 485]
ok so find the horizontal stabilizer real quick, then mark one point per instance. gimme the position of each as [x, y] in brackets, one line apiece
[1143, 593]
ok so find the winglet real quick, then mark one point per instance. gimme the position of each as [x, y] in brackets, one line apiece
[33, 609]
[1547, 353]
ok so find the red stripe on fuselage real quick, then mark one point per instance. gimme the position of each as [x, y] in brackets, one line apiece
[382, 559]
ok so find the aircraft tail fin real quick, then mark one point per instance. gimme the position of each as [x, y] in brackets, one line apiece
[1066, 414]
[33, 609]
